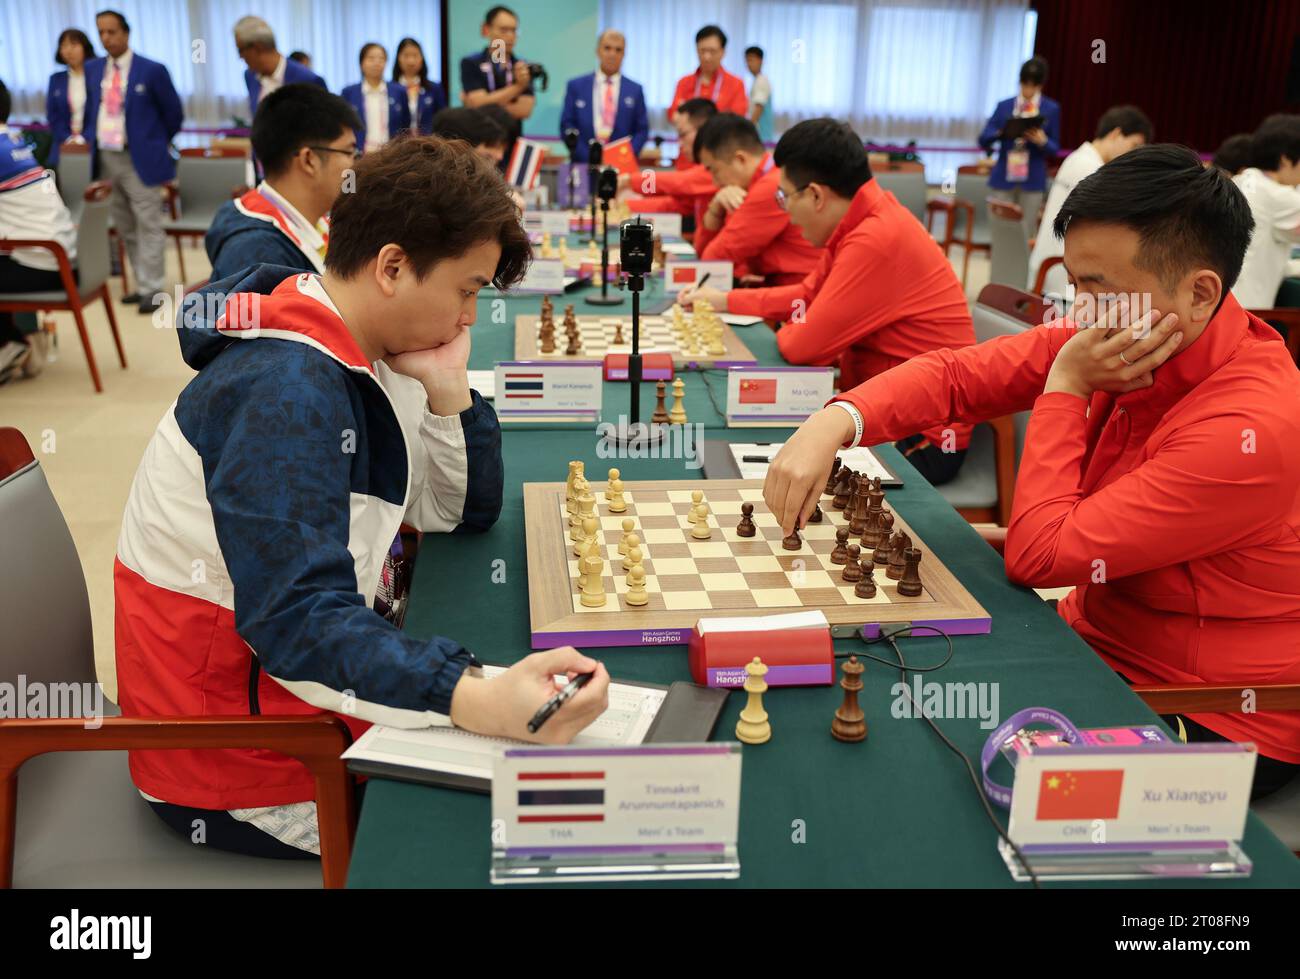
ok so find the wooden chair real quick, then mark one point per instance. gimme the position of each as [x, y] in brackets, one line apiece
[1009, 251]
[206, 177]
[75, 771]
[74, 178]
[905, 179]
[1041, 277]
[1288, 318]
[93, 270]
[960, 211]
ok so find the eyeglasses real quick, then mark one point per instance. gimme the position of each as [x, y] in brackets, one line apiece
[783, 201]
[355, 152]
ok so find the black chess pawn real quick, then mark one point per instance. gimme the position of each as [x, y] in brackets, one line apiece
[792, 543]
[866, 586]
[853, 567]
[817, 514]
[910, 584]
[884, 530]
[746, 527]
[833, 478]
[841, 552]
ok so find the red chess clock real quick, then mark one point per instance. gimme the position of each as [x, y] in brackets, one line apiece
[793, 657]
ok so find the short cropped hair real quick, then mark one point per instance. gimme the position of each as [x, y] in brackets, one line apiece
[1128, 119]
[77, 37]
[435, 199]
[120, 19]
[474, 127]
[755, 50]
[698, 110]
[295, 116]
[824, 151]
[725, 133]
[1233, 154]
[254, 32]
[492, 13]
[1034, 71]
[1186, 215]
[1276, 137]
[302, 57]
[711, 30]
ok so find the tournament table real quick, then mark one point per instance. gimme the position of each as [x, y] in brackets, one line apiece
[896, 810]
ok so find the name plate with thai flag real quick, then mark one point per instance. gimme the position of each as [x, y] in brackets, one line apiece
[680, 273]
[776, 396]
[649, 812]
[546, 222]
[539, 391]
[544, 275]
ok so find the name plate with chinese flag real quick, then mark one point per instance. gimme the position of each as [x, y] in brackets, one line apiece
[1097, 799]
[544, 391]
[680, 273]
[776, 396]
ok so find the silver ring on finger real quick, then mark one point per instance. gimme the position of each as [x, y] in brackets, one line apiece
[1125, 359]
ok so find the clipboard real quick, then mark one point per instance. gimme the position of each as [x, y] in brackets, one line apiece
[1017, 126]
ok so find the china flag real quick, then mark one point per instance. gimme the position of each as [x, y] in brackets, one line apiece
[620, 155]
[1080, 795]
[758, 391]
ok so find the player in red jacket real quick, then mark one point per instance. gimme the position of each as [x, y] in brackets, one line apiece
[710, 80]
[1160, 469]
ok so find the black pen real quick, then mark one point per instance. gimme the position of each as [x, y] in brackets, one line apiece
[700, 284]
[558, 701]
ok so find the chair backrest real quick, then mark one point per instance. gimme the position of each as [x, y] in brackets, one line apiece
[93, 266]
[74, 177]
[973, 186]
[47, 635]
[908, 186]
[1009, 251]
[205, 182]
[1005, 311]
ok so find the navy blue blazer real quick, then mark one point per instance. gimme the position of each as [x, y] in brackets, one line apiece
[399, 113]
[153, 116]
[432, 100]
[1038, 155]
[57, 114]
[294, 74]
[629, 121]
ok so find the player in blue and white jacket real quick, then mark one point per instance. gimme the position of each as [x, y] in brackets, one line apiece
[326, 411]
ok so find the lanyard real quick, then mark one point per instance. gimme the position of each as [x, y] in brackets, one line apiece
[715, 85]
[489, 69]
[1030, 715]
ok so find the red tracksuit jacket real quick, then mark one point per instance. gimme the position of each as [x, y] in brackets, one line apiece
[1174, 510]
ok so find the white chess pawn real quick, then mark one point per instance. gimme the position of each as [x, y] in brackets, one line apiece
[617, 504]
[636, 593]
[609, 487]
[633, 554]
[701, 530]
[628, 525]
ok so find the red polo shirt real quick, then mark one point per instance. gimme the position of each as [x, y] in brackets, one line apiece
[1174, 510]
[881, 293]
[758, 235]
[679, 191]
[726, 91]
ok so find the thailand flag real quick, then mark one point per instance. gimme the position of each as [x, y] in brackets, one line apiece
[525, 163]
[524, 385]
[561, 797]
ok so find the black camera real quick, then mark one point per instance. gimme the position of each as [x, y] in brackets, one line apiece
[607, 184]
[571, 140]
[538, 72]
[595, 152]
[636, 244]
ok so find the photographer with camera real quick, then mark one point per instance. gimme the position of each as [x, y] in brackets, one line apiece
[494, 76]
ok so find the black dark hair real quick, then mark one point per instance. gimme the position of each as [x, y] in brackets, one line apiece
[6, 103]
[367, 46]
[302, 57]
[1276, 137]
[1233, 154]
[755, 50]
[491, 15]
[1034, 71]
[120, 19]
[1186, 215]
[823, 151]
[711, 30]
[727, 132]
[294, 116]
[424, 64]
[698, 110]
[77, 36]
[1129, 119]
[474, 127]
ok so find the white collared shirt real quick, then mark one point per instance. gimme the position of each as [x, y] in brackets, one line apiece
[273, 81]
[1276, 209]
[598, 102]
[77, 99]
[1083, 162]
[311, 235]
[102, 124]
[413, 92]
[376, 102]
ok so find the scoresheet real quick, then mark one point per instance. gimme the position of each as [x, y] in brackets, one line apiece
[753, 458]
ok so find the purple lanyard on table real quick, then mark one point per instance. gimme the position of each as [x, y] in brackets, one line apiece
[490, 71]
[1030, 715]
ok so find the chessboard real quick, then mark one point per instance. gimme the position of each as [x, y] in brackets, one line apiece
[725, 575]
[597, 336]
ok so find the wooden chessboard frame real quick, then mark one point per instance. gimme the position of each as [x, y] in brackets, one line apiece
[527, 348]
[551, 588]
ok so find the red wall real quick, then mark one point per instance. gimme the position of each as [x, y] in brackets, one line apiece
[1202, 71]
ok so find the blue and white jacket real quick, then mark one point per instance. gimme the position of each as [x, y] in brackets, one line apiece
[256, 528]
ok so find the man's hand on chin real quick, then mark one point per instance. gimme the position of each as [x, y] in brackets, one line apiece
[441, 370]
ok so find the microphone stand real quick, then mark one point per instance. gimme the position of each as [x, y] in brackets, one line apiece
[605, 299]
[635, 430]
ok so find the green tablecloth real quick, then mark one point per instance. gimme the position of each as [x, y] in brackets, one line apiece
[896, 810]
[494, 342]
